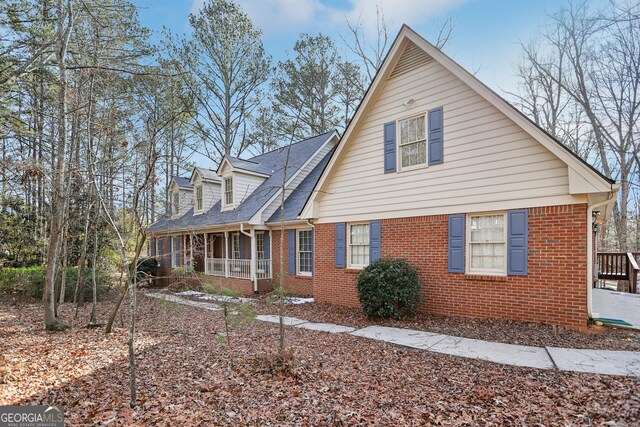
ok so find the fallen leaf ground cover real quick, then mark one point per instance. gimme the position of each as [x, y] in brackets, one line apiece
[185, 377]
[499, 330]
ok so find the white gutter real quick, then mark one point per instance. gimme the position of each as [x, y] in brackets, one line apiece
[254, 276]
[590, 244]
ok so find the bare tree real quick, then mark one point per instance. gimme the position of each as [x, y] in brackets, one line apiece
[371, 49]
[592, 66]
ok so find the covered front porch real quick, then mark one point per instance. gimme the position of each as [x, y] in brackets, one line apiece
[239, 254]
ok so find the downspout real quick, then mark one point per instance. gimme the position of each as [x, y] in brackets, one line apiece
[590, 244]
[254, 276]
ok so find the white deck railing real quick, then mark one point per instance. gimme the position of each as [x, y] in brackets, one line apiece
[238, 268]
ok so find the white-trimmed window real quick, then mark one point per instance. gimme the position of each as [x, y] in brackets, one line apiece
[358, 245]
[175, 252]
[486, 243]
[260, 246]
[235, 245]
[199, 201]
[158, 243]
[175, 198]
[412, 141]
[228, 191]
[305, 252]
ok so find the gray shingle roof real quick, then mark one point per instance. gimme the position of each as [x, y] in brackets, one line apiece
[273, 162]
[182, 181]
[207, 174]
[298, 197]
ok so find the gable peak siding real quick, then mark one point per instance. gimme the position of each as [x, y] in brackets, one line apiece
[488, 159]
[412, 57]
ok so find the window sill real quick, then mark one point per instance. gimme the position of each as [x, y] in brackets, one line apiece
[412, 168]
[304, 274]
[486, 277]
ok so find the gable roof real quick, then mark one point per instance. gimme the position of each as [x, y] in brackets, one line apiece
[182, 182]
[273, 161]
[207, 175]
[298, 197]
[583, 177]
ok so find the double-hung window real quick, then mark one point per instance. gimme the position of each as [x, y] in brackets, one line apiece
[175, 251]
[199, 201]
[305, 252]
[358, 245]
[228, 191]
[158, 243]
[413, 142]
[260, 246]
[235, 245]
[487, 243]
[176, 202]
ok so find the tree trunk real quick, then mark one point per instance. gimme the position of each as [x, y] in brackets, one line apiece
[58, 197]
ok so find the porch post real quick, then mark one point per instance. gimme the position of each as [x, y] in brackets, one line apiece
[205, 252]
[270, 255]
[191, 251]
[254, 255]
[226, 254]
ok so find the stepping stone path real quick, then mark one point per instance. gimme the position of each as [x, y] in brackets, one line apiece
[605, 362]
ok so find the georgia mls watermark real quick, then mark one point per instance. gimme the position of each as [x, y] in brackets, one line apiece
[31, 416]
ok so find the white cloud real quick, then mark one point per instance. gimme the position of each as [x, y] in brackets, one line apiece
[286, 16]
[396, 12]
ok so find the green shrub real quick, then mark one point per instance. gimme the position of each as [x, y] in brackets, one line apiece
[388, 288]
[147, 268]
[29, 282]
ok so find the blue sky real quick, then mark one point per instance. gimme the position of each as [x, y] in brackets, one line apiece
[486, 38]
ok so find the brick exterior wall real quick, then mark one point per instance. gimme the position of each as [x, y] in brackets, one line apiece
[553, 292]
[293, 284]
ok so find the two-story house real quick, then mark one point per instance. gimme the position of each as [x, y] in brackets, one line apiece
[226, 223]
[497, 216]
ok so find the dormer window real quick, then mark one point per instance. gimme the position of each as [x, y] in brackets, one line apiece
[176, 202]
[199, 201]
[228, 191]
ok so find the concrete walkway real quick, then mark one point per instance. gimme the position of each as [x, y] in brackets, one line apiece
[617, 305]
[626, 363]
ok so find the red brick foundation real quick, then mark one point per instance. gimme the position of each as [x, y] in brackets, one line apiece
[553, 292]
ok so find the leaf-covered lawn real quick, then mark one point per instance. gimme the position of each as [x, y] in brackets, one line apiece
[185, 378]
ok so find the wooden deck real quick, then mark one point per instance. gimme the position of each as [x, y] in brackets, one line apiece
[618, 266]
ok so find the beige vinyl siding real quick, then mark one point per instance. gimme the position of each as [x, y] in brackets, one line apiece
[211, 193]
[186, 201]
[266, 214]
[244, 185]
[489, 161]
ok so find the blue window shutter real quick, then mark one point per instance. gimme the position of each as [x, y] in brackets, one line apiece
[292, 252]
[341, 245]
[436, 145]
[241, 243]
[456, 243]
[267, 245]
[152, 244]
[517, 242]
[390, 147]
[375, 235]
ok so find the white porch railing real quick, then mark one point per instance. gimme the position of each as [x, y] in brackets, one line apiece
[214, 266]
[263, 268]
[238, 268]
